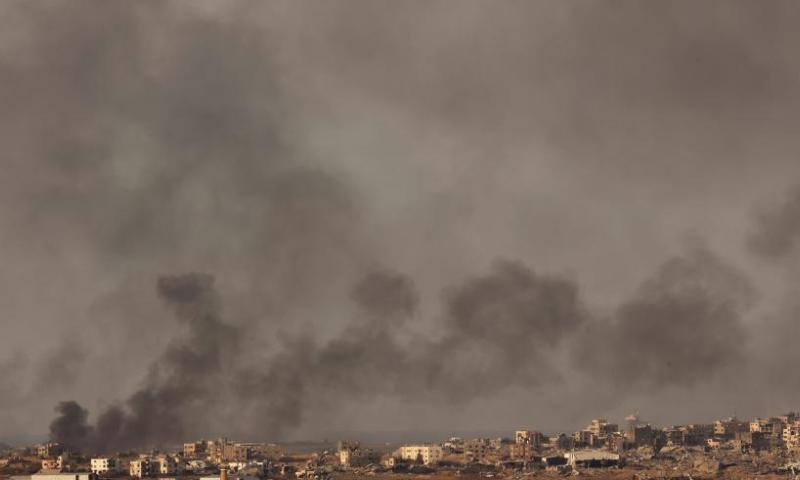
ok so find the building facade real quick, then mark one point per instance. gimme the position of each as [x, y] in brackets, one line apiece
[101, 466]
[429, 453]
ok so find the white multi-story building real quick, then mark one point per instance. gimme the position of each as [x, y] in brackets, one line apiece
[428, 452]
[105, 465]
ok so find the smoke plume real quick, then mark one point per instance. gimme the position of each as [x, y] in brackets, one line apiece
[179, 385]
[413, 215]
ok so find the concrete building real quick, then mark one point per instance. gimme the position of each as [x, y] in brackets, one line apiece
[49, 449]
[689, 435]
[351, 455]
[771, 427]
[639, 435]
[358, 457]
[64, 476]
[105, 465]
[262, 451]
[194, 449]
[475, 450]
[562, 441]
[585, 438]
[529, 437]
[164, 465]
[726, 429]
[791, 435]
[601, 428]
[591, 458]
[454, 445]
[143, 468]
[523, 452]
[429, 453]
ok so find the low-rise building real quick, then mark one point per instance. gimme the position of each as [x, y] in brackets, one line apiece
[769, 426]
[726, 429]
[591, 458]
[49, 449]
[352, 455]
[475, 450]
[64, 476]
[428, 453]
[194, 449]
[791, 435]
[262, 451]
[143, 468]
[689, 435]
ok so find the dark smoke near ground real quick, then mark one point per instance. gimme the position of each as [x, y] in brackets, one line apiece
[71, 427]
[684, 325]
[180, 385]
[499, 330]
[288, 149]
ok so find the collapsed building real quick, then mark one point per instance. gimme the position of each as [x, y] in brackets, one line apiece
[352, 455]
[592, 459]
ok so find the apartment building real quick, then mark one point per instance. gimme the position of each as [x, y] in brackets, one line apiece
[49, 449]
[791, 435]
[601, 428]
[528, 437]
[429, 453]
[106, 465]
[726, 429]
[475, 450]
[143, 468]
[165, 465]
[522, 452]
[193, 449]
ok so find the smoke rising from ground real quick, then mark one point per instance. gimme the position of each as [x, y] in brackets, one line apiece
[289, 149]
[180, 384]
[499, 330]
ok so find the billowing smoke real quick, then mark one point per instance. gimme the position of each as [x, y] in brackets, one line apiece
[71, 427]
[287, 149]
[683, 326]
[180, 384]
[499, 330]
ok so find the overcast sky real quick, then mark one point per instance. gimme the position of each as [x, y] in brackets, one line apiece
[546, 211]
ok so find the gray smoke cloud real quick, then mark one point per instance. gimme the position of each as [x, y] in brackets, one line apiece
[777, 228]
[71, 427]
[684, 325]
[287, 149]
[180, 384]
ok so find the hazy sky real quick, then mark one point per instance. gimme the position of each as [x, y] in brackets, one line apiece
[416, 215]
